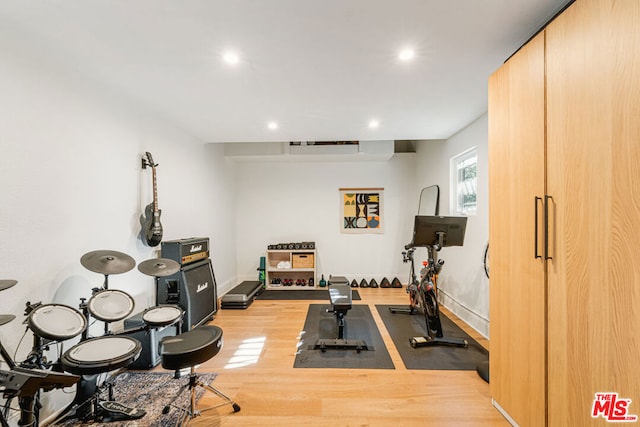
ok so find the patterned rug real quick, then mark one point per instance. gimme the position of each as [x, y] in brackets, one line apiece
[150, 391]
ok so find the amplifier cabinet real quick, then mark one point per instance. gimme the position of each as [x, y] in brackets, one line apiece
[194, 289]
[186, 251]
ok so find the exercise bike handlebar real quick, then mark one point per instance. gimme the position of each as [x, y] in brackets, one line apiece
[436, 245]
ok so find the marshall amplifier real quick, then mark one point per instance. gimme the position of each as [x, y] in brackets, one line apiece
[186, 251]
[193, 288]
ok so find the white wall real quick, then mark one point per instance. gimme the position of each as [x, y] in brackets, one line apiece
[291, 202]
[464, 286]
[70, 168]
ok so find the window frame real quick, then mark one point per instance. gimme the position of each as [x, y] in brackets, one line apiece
[457, 185]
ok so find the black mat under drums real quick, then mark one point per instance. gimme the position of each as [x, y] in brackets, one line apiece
[359, 325]
[298, 294]
[401, 327]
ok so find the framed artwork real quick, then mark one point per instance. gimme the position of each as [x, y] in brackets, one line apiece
[361, 210]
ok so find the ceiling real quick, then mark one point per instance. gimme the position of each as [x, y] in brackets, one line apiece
[321, 69]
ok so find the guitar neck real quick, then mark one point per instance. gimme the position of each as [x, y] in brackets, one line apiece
[155, 190]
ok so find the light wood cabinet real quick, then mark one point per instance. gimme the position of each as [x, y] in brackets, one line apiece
[593, 174]
[567, 326]
[517, 287]
[295, 269]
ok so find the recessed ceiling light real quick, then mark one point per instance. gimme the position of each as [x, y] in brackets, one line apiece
[231, 57]
[374, 124]
[272, 125]
[406, 54]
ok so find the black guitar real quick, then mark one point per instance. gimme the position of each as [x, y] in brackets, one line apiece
[151, 227]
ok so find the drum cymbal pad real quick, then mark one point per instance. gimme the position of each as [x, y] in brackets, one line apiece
[107, 262]
[159, 267]
[6, 318]
[6, 284]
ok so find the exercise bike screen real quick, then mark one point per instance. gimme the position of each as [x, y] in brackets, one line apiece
[426, 227]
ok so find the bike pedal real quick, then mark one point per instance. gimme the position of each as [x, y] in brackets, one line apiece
[119, 408]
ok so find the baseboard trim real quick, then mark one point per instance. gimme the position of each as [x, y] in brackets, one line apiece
[475, 321]
[504, 413]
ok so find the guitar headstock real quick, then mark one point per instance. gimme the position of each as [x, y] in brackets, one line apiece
[147, 160]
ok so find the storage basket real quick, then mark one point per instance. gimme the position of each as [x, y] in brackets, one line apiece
[302, 261]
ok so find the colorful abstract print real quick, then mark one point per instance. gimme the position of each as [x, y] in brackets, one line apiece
[361, 210]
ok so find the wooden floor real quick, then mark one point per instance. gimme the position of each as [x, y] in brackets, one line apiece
[255, 368]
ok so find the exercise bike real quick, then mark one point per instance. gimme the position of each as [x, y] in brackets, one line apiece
[428, 204]
[433, 233]
[413, 285]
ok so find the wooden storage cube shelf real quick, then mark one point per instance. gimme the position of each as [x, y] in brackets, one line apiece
[274, 258]
[303, 268]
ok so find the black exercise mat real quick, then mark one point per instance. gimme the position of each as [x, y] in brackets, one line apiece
[150, 391]
[401, 327]
[297, 294]
[359, 325]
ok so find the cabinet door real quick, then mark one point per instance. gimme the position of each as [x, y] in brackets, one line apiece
[593, 149]
[517, 286]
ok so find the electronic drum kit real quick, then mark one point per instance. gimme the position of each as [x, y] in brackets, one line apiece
[25, 383]
[6, 284]
[54, 323]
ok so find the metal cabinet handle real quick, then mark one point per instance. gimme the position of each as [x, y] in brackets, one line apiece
[535, 227]
[546, 226]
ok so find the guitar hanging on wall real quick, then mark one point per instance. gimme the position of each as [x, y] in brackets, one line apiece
[151, 226]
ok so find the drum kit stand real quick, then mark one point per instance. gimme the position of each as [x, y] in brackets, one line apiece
[84, 362]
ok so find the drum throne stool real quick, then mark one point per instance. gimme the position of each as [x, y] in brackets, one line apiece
[187, 350]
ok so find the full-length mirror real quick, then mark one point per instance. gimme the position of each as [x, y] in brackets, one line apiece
[429, 201]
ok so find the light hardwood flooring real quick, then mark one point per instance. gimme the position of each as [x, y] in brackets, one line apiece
[255, 368]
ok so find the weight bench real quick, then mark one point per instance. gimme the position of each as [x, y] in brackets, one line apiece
[340, 296]
[242, 295]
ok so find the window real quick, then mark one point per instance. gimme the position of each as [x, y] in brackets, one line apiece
[464, 179]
